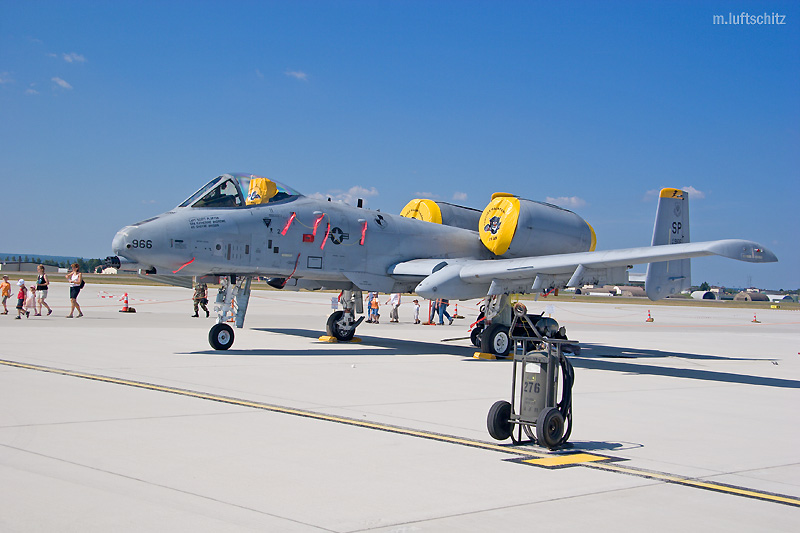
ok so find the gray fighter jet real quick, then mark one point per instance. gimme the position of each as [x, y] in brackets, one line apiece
[240, 226]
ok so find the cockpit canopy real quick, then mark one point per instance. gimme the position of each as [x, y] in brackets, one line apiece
[240, 190]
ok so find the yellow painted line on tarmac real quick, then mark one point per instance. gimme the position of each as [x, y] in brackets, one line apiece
[532, 457]
[280, 409]
[689, 482]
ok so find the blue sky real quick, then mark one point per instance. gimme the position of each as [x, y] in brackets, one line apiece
[111, 112]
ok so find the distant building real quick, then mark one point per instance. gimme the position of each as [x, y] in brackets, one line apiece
[19, 266]
[628, 291]
[781, 298]
[746, 296]
[705, 295]
[611, 290]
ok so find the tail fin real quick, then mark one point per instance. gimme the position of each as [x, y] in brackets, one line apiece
[671, 227]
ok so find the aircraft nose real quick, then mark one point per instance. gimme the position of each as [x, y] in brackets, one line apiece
[128, 241]
[118, 244]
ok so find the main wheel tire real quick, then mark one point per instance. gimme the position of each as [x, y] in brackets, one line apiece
[550, 428]
[498, 421]
[220, 337]
[495, 340]
[334, 328]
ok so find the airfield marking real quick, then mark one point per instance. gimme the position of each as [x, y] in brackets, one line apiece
[524, 456]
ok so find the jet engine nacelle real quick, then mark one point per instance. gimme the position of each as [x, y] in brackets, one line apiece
[443, 213]
[515, 227]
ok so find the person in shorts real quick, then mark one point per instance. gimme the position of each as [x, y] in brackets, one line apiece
[21, 295]
[42, 284]
[75, 278]
[5, 289]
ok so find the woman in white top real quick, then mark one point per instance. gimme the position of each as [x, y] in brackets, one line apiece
[75, 279]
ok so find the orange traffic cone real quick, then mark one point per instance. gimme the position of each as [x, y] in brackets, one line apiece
[125, 307]
[755, 320]
[649, 318]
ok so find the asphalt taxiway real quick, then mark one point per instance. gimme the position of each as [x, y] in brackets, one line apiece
[131, 422]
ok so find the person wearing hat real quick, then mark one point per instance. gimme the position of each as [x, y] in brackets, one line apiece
[23, 291]
[5, 289]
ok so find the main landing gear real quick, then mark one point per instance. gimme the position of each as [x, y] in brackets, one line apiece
[494, 329]
[232, 300]
[342, 324]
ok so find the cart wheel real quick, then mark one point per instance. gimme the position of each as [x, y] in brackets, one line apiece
[495, 340]
[220, 337]
[498, 421]
[550, 428]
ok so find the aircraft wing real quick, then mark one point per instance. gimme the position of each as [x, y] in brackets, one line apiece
[469, 278]
[566, 263]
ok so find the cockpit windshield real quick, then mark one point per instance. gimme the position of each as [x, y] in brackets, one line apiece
[239, 190]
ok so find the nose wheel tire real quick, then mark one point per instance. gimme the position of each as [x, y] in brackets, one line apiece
[336, 327]
[220, 336]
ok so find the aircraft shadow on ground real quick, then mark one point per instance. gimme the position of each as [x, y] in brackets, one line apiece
[593, 356]
[598, 357]
[368, 346]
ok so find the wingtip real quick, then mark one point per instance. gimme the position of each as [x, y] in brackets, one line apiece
[749, 251]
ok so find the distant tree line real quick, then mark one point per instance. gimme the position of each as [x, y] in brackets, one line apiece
[85, 265]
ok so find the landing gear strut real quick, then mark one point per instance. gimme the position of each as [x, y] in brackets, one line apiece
[342, 324]
[232, 300]
[494, 330]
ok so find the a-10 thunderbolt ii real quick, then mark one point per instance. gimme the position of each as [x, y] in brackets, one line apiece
[238, 226]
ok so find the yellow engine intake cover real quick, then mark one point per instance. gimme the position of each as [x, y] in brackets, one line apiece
[261, 190]
[420, 209]
[593, 244]
[499, 223]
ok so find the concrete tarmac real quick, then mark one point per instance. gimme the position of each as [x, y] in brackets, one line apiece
[131, 422]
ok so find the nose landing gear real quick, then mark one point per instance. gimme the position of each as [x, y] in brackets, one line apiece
[232, 300]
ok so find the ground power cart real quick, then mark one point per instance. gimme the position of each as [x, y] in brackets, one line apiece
[539, 360]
